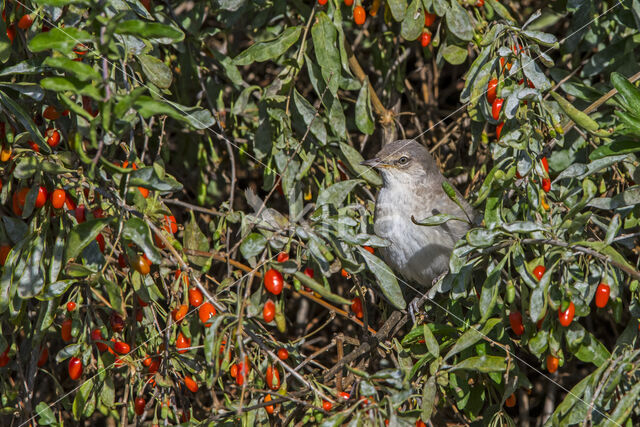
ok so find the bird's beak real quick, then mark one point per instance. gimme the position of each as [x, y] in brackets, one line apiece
[372, 163]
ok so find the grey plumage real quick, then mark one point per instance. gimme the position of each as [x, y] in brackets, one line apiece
[412, 186]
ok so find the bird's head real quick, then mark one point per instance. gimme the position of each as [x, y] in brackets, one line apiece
[404, 161]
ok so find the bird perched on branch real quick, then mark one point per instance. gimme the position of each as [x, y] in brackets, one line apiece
[413, 191]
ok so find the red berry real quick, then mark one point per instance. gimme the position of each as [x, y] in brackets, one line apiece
[429, 19]
[538, 272]
[65, 332]
[283, 354]
[273, 281]
[50, 113]
[480, 3]
[326, 405]
[81, 214]
[602, 295]
[308, 272]
[25, 22]
[139, 405]
[122, 262]
[545, 164]
[356, 307]
[425, 38]
[492, 89]
[322, 2]
[273, 377]
[41, 198]
[283, 256]
[101, 243]
[44, 356]
[53, 137]
[75, 368]
[116, 322]
[182, 343]
[4, 357]
[269, 311]
[496, 107]
[121, 347]
[171, 226]
[546, 184]
[499, 127]
[566, 317]
[96, 335]
[515, 319]
[344, 395]
[71, 306]
[552, 363]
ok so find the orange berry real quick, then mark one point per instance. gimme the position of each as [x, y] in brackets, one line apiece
[179, 313]
[195, 297]
[206, 312]
[283, 354]
[58, 197]
[359, 15]
[191, 384]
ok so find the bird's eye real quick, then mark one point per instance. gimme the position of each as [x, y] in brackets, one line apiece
[403, 160]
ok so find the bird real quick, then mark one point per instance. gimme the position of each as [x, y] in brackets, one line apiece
[413, 190]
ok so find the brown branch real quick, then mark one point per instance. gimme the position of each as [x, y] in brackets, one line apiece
[386, 117]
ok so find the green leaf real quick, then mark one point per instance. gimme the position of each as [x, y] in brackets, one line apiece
[629, 197]
[585, 346]
[453, 54]
[413, 22]
[62, 39]
[438, 219]
[489, 293]
[156, 71]
[581, 119]
[31, 280]
[196, 117]
[83, 234]
[624, 407]
[629, 92]
[264, 51]
[25, 120]
[45, 414]
[354, 159]
[544, 39]
[317, 287]
[428, 398]
[482, 364]
[501, 10]
[364, 116]
[304, 111]
[72, 84]
[148, 177]
[68, 351]
[253, 245]
[459, 23]
[533, 73]
[149, 30]
[336, 193]
[385, 278]
[430, 341]
[325, 42]
[137, 231]
[81, 397]
[32, 90]
[80, 70]
[398, 9]
[471, 336]
[195, 239]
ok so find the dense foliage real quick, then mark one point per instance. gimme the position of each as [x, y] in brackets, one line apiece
[186, 231]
